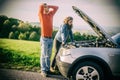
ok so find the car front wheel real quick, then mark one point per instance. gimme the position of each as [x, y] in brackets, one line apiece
[88, 71]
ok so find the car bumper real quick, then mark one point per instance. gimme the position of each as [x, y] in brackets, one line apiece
[63, 67]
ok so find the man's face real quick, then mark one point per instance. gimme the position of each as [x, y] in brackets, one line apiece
[46, 9]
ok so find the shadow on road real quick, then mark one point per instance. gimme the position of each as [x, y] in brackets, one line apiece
[57, 77]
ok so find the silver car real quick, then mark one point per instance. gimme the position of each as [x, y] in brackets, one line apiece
[90, 60]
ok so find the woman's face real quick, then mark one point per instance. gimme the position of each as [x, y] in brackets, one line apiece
[70, 22]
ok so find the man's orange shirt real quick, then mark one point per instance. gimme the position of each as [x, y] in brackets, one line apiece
[46, 21]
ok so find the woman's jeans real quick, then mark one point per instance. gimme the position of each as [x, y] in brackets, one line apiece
[57, 46]
[46, 50]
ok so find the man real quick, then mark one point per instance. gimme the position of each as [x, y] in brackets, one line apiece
[46, 13]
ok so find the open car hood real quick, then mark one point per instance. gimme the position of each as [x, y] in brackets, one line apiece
[98, 29]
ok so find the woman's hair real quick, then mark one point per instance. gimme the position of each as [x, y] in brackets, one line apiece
[67, 19]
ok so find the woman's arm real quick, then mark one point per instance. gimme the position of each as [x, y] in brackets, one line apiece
[64, 33]
[71, 35]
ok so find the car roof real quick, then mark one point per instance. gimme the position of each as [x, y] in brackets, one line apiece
[98, 29]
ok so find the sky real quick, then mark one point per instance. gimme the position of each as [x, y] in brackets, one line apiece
[103, 12]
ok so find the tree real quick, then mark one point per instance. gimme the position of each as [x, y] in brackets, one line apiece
[14, 21]
[11, 35]
[27, 35]
[6, 25]
[14, 28]
[34, 36]
[36, 29]
[2, 19]
[22, 36]
[6, 29]
[16, 34]
[77, 36]
[23, 27]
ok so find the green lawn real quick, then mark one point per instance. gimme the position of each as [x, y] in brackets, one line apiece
[19, 54]
[24, 47]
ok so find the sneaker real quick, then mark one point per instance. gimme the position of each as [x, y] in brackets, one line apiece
[50, 73]
[44, 74]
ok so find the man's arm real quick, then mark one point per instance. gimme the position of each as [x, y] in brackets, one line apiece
[41, 8]
[55, 8]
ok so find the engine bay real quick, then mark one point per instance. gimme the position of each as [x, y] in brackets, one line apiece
[90, 43]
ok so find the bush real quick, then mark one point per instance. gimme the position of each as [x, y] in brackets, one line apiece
[77, 36]
[22, 36]
[34, 36]
[27, 35]
[11, 35]
[54, 33]
[16, 34]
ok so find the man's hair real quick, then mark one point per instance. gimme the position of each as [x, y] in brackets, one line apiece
[44, 3]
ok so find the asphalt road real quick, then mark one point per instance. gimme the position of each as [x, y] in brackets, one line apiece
[8, 74]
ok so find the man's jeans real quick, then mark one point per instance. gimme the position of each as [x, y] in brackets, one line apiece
[46, 50]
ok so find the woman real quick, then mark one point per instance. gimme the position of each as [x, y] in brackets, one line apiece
[61, 37]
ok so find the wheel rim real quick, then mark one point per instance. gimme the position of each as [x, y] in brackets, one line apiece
[87, 73]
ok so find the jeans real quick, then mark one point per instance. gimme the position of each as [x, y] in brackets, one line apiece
[57, 46]
[46, 50]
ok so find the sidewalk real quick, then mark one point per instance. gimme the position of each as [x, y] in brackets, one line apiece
[8, 74]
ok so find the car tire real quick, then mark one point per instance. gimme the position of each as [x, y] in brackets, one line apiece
[88, 71]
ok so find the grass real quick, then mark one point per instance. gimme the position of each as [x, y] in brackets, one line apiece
[20, 54]
[21, 46]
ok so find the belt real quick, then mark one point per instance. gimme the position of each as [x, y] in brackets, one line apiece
[47, 37]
